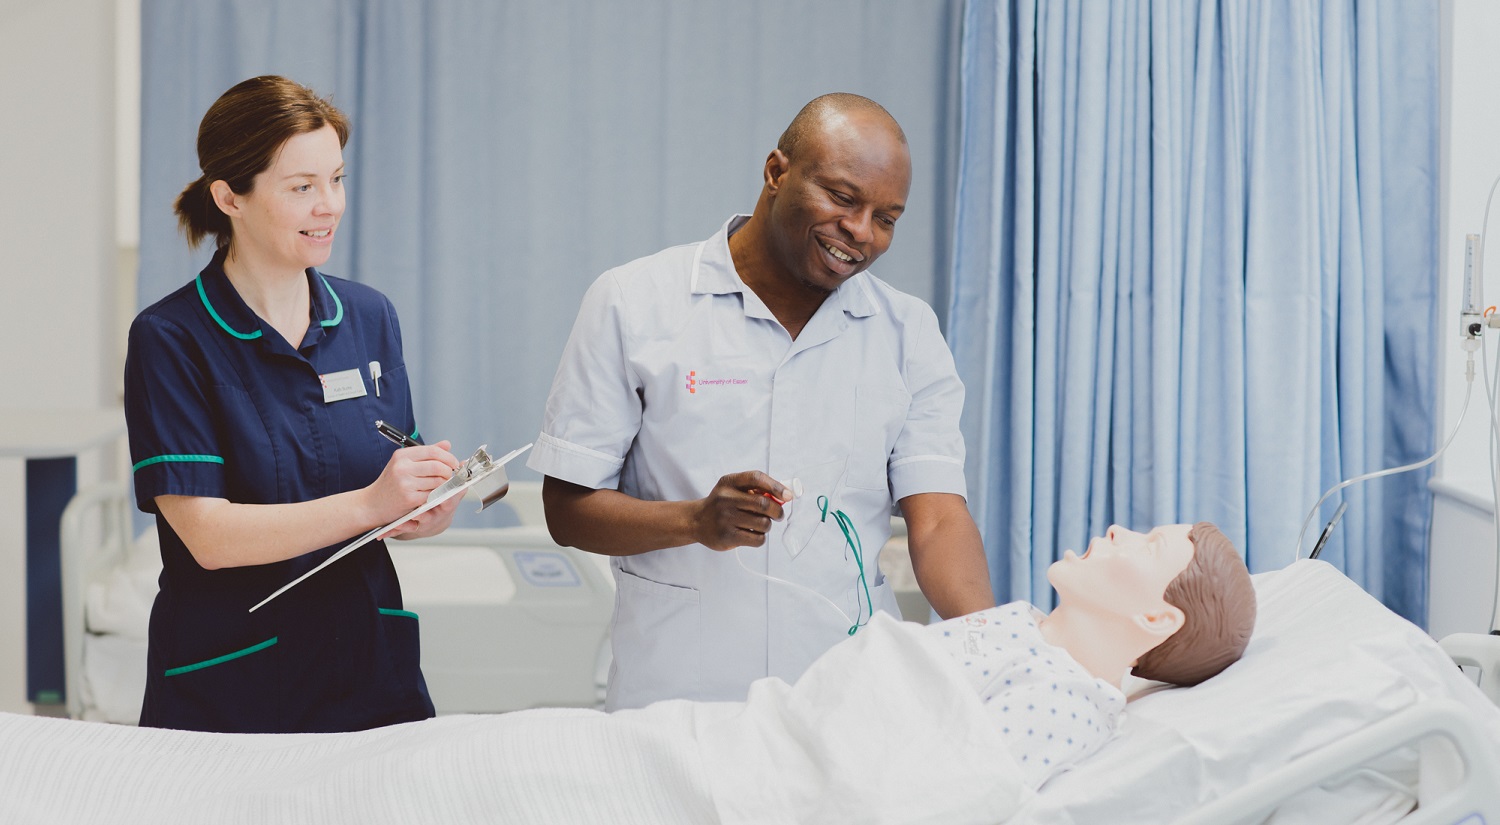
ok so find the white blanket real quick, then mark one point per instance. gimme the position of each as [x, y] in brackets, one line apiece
[879, 730]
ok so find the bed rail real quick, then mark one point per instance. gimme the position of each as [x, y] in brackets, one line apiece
[1454, 799]
[95, 532]
[1477, 650]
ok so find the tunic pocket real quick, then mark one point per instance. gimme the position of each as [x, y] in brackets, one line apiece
[236, 692]
[402, 688]
[219, 660]
[656, 641]
[879, 415]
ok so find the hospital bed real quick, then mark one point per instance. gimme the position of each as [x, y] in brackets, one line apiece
[1340, 712]
[509, 620]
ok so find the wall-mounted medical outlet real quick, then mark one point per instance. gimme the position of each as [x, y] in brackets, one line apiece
[1471, 317]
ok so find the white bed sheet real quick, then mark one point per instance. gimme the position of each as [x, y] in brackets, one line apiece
[821, 751]
[1326, 660]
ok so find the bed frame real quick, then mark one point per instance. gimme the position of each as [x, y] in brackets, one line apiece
[1459, 771]
[95, 535]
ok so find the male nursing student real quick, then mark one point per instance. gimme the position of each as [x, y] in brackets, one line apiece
[700, 383]
[251, 400]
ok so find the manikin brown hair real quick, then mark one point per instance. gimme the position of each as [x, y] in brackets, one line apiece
[1218, 603]
[239, 138]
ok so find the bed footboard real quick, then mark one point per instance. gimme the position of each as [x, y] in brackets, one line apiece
[1466, 771]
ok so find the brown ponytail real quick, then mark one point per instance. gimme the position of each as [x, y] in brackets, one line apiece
[237, 140]
[199, 216]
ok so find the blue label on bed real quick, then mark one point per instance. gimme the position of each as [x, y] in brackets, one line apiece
[547, 570]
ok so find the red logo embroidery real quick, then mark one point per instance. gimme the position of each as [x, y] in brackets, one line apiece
[692, 381]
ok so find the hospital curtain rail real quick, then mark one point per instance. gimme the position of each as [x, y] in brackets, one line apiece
[1194, 273]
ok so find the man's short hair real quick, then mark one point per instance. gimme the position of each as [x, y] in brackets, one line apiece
[1217, 599]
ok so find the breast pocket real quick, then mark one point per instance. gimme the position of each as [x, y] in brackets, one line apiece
[879, 414]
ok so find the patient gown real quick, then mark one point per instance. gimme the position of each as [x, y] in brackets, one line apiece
[1050, 710]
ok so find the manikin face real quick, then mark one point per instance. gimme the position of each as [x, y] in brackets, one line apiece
[835, 205]
[1123, 572]
[289, 217]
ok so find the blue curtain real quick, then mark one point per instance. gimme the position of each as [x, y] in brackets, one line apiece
[1194, 275]
[505, 153]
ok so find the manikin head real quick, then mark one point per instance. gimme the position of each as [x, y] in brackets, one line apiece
[1176, 604]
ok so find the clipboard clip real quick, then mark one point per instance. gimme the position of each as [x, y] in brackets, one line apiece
[483, 474]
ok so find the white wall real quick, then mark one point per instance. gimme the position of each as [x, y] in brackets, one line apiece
[1463, 541]
[57, 251]
[57, 207]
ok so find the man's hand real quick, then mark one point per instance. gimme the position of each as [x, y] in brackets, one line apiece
[739, 510]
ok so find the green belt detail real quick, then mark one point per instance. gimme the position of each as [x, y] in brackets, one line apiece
[386, 611]
[207, 459]
[177, 671]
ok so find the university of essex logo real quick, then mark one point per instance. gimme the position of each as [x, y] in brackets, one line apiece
[694, 383]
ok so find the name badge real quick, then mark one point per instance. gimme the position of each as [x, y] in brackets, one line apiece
[338, 386]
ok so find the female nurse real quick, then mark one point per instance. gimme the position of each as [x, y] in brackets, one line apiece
[251, 395]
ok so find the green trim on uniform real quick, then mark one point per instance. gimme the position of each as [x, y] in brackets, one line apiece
[177, 671]
[339, 316]
[387, 611]
[207, 459]
[243, 336]
[415, 436]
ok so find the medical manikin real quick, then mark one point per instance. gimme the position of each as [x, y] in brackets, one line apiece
[1174, 605]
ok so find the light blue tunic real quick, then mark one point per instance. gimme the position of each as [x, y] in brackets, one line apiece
[676, 374]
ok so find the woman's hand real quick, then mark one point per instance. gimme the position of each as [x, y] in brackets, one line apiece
[430, 523]
[409, 475]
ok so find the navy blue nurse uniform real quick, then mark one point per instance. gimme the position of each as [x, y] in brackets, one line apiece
[220, 405]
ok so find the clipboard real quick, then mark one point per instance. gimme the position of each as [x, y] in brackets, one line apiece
[477, 469]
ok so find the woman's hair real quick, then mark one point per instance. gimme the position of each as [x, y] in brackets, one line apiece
[1218, 604]
[238, 139]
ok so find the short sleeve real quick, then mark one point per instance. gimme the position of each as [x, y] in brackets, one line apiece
[594, 410]
[929, 453]
[174, 447]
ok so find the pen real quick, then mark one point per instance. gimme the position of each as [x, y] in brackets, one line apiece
[396, 436]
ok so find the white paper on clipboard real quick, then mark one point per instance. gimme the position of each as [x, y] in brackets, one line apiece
[370, 536]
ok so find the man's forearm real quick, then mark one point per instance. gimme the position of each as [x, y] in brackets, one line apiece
[612, 523]
[947, 554]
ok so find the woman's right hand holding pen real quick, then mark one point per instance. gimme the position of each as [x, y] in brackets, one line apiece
[409, 475]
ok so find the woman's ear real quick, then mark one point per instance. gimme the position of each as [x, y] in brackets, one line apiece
[224, 198]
